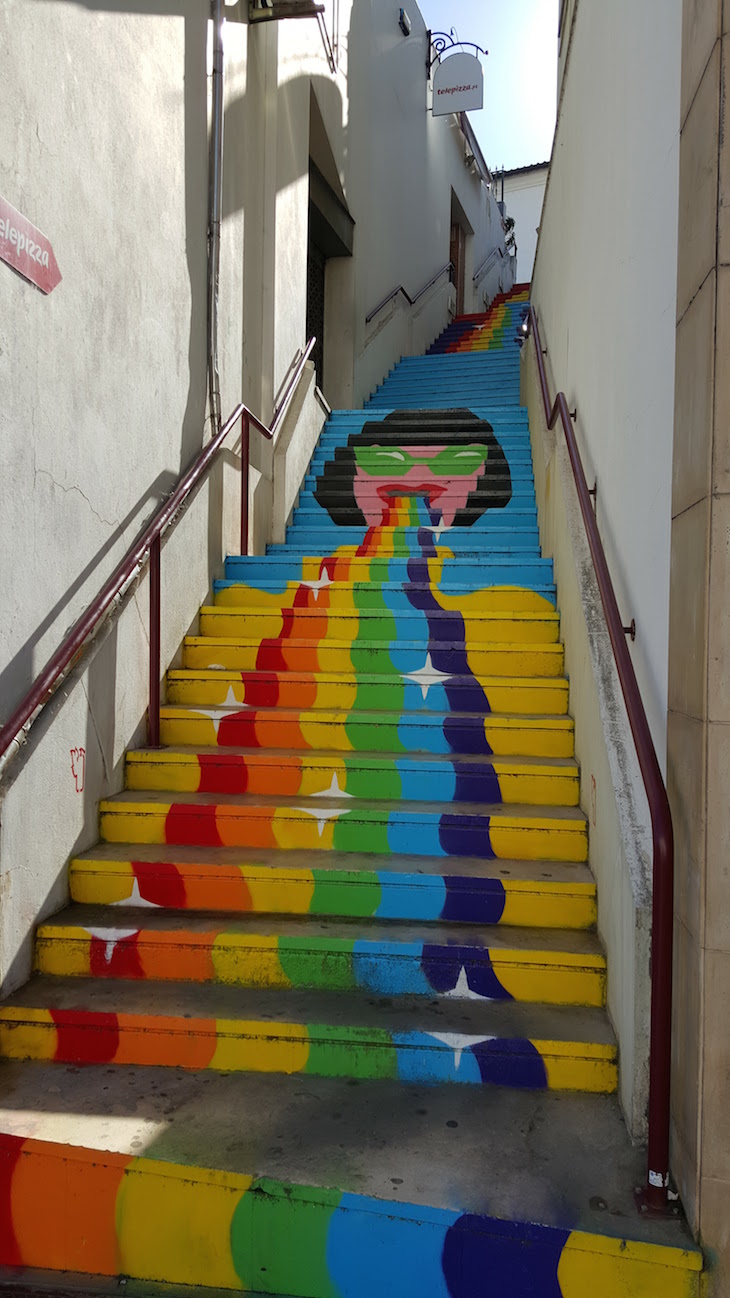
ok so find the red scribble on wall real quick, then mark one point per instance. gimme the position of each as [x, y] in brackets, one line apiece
[78, 767]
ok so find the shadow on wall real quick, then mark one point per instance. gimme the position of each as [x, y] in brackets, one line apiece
[17, 677]
[243, 192]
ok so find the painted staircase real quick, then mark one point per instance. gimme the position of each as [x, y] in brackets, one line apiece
[337, 941]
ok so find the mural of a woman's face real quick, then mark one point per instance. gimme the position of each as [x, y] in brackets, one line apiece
[450, 459]
[444, 475]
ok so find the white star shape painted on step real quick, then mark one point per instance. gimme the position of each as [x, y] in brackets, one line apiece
[216, 715]
[135, 898]
[110, 937]
[334, 791]
[439, 529]
[322, 815]
[458, 1042]
[426, 676]
[463, 992]
[321, 584]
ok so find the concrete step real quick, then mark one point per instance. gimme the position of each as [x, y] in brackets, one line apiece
[375, 624]
[300, 691]
[393, 959]
[410, 733]
[370, 776]
[312, 1186]
[467, 890]
[319, 1033]
[377, 594]
[474, 573]
[246, 653]
[492, 536]
[347, 824]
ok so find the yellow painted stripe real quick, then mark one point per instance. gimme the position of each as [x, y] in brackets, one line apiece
[531, 905]
[603, 1267]
[174, 1222]
[552, 978]
[27, 1033]
[579, 1066]
[261, 1048]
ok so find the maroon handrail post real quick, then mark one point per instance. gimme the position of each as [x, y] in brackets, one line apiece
[15, 730]
[153, 715]
[655, 1195]
[245, 448]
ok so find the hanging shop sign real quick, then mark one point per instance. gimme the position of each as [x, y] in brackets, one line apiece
[28, 251]
[458, 85]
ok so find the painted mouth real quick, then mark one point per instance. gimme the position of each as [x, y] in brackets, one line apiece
[428, 490]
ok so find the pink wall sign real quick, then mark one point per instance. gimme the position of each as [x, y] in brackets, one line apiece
[26, 249]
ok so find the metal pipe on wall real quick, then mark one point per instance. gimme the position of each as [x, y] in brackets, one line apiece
[215, 203]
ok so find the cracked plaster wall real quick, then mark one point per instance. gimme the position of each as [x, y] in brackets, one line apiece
[605, 289]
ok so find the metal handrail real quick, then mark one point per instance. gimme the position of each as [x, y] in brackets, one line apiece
[654, 1196]
[15, 731]
[486, 264]
[410, 300]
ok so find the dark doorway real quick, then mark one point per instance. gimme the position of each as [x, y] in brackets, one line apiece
[457, 257]
[330, 235]
[316, 267]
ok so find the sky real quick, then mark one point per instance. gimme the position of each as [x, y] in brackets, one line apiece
[515, 127]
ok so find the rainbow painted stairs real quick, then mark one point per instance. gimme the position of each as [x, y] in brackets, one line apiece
[325, 1015]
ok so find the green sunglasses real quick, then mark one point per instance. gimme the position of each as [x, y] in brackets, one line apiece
[452, 461]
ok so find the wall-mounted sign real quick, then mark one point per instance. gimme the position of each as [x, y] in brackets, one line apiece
[458, 84]
[28, 251]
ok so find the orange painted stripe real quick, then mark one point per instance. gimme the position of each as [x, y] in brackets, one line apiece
[173, 1042]
[163, 956]
[64, 1207]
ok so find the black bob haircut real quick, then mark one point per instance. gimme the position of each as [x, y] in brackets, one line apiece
[335, 491]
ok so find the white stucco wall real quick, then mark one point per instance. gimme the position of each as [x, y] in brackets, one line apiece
[403, 166]
[523, 196]
[104, 115]
[605, 290]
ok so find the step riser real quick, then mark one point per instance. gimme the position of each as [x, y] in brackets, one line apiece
[506, 540]
[392, 833]
[243, 1046]
[349, 595]
[302, 694]
[363, 894]
[384, 779]
[359, 733]
[473, 574]
[228, 1231]
[324, 964]
[367, 625]
[240, 655]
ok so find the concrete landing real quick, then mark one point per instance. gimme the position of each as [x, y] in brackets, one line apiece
[560, 1160]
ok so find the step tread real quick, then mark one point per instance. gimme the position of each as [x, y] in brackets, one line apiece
[538, 721]
[356, 1009]
[230, 801]
[541, 1157]
[366, 758]
[370, 678]
[563, 873]
[552, 647]
[374, 614]
[556, 944]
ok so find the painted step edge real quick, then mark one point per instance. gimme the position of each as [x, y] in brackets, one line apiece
[115, 1214]
[312, 963]
[305, 774]
[356, 894]
[415, 1058]
[485, 835]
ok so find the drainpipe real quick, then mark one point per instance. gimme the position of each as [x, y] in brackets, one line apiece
[215, 202]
